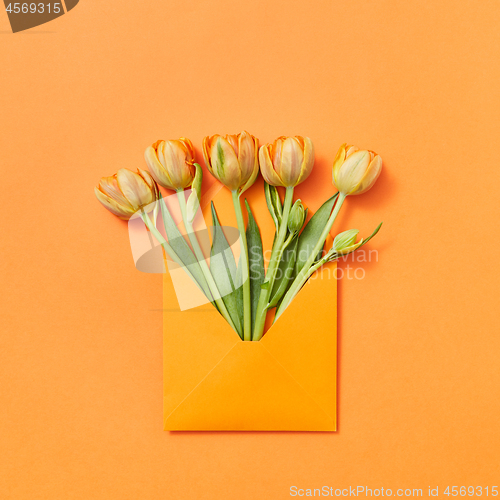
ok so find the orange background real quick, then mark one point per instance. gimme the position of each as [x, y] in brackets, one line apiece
[81, 367]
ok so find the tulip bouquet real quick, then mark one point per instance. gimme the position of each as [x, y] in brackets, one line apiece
[298, 250]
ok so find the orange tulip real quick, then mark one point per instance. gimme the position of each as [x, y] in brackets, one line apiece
[171, 163]
[354, 171]
[126, 192]
[287, 162]
[232, 159]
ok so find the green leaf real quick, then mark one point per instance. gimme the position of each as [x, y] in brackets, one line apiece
[255, 261]
[311, 233]
[182, 249]
[285, 274]
[274, 205]
[277, 202]
[377, 229]
[224, 272]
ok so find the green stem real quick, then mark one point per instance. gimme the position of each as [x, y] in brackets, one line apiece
[247, 304]
[267, 286]
[309, 268]
[202, 261]
[170, 251]
[297, 284]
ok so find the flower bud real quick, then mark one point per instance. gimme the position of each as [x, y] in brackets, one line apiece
[232, 159]
[126, 192]
[345, 242]
[355, 172]
[171, 163]
[296, 217]
[287, 161]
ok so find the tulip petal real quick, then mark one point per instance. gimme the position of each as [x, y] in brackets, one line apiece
[352, 171]
[225, 164]
[350, 150]
[247, 155]
[134, 188]
[266, 167]
[188, 145]
[339, 159]
[256, 170]
[109, 186]
[156, 169]
[234, 142]
[252, 179]
[275, 150]
[206, 146]
[308, 162]
[149, 179]
[172, 156]
[292, 157]
[115, 208]
[371, 175]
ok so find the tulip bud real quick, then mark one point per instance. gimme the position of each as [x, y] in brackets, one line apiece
[126, 192]
[171, 163]
[287, 161]
[232, 159]
[346, 242]
[355, 172]
[296, 217]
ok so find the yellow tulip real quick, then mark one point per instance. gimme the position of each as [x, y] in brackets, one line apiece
[126, 192]
[171, 163]
[288, 161]
[354, 171]
[232, 159]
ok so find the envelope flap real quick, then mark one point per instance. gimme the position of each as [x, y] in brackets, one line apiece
[249, 390]
[307, 348]
[193, 342]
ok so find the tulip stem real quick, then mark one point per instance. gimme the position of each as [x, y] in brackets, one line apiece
[247, 304]
[310, 266]
[298, 283]
[202, 261]
[267, 286]
[170, 251]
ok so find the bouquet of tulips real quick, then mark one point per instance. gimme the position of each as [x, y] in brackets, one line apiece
[235, 161]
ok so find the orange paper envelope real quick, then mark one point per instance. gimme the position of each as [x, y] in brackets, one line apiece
[286, 382]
